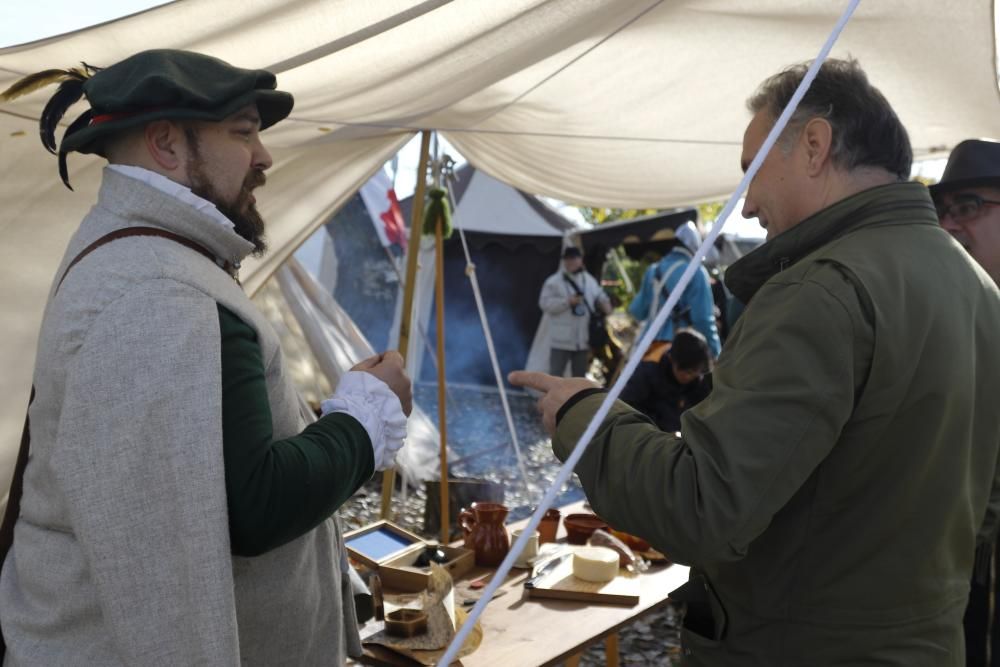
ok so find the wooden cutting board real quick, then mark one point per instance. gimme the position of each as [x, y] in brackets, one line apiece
[562, 585]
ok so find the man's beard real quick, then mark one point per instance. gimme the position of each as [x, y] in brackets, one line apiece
[243, 213]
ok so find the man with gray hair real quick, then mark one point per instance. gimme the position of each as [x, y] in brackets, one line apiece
[828, 492]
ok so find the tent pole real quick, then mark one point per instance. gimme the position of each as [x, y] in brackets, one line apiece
[412, 251]
[442, 422]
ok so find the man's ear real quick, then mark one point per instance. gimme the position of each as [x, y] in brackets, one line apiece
[166, 145]
[817, 137]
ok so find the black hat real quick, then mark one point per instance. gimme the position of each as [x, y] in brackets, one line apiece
[972, 163]
[151, 85]
[571, 251]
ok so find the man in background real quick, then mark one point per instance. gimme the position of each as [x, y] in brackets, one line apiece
[968, 206]
[571, 297]
[663, 390]
[696, 306]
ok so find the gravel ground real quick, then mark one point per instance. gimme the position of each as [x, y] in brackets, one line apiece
[481, 446]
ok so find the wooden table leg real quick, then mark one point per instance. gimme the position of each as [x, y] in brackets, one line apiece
[611, 649]
[573, 661]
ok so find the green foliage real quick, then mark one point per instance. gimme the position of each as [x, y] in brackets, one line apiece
[709, 211]
[612, 280]
[437, 207]
[597, 216]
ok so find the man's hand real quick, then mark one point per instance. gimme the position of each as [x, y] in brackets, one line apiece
[555, 392]
[389, 368]
[573, 300]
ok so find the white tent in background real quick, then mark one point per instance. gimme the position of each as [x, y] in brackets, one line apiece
[631, 103]
[507, 231]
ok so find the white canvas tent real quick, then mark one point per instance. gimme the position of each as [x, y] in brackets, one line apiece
[634, 103]
[504, 228]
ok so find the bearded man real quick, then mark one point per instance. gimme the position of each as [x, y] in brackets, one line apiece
[177, 508]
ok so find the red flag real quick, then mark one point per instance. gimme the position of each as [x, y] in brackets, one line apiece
[392, 218]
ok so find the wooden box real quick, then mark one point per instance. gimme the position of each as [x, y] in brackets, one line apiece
[392, 551]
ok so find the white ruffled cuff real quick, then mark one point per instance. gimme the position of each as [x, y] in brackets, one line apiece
[371, 402]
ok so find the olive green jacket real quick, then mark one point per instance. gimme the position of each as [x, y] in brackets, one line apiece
[829, 491]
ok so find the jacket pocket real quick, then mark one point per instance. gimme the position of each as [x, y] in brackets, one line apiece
[705, 618]
[563, 332]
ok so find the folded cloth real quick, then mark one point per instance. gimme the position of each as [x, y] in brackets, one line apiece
[373, 403]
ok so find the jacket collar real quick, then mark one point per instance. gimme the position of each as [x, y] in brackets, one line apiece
[896, 203]
[141, 204]
[681, 250]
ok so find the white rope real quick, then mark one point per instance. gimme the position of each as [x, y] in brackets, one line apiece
[567, 468]
[470, 271]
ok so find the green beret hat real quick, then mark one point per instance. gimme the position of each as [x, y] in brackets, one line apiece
[171, 84]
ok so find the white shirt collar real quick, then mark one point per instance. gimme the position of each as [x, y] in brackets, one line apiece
[174, 189]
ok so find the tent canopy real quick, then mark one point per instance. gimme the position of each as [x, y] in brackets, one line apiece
[622, 103]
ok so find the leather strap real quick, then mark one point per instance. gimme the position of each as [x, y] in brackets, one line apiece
[579, 293]
[228, 267]
[13, 509]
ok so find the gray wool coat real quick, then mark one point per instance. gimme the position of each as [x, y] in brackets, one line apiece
[121, 554]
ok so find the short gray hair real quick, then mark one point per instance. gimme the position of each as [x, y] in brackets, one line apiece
[866, 130]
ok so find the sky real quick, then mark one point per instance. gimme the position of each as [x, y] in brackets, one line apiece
[23, 21]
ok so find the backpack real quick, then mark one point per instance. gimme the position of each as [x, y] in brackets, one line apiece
[679, 315]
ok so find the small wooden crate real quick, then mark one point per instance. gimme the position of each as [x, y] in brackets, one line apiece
[392, 550]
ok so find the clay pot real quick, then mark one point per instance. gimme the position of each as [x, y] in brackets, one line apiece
[485, 532]
[579, 527]
[549, 526]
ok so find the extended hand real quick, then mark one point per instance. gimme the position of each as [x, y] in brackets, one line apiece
[389, 368]
[555, 392]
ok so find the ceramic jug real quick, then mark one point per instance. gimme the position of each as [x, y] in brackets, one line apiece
[485, 532]
[549, 526]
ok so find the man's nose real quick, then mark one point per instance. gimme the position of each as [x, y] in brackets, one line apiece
[749, 209]
[262, 158]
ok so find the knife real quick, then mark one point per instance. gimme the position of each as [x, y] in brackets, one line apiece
[545, 569]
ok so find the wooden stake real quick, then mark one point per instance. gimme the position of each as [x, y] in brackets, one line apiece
[442, 422]
[412, 251]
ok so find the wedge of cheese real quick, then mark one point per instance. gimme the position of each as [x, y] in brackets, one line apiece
[595, 564]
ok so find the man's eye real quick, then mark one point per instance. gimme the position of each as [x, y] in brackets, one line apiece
[966, 208]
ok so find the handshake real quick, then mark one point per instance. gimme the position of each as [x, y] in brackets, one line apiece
[378, 393]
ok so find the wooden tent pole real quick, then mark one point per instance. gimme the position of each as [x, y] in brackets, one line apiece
[442, 422]
[412, 251]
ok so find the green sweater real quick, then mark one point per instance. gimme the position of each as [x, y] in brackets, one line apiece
[278, 490]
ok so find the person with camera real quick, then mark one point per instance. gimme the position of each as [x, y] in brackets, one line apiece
[573, 299]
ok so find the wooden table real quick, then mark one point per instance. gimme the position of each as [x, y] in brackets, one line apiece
[523, 632]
